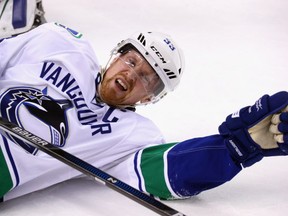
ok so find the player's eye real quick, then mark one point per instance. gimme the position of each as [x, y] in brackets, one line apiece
[131, 62]
[144, 78]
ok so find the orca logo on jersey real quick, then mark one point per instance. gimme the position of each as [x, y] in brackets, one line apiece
[30, 107]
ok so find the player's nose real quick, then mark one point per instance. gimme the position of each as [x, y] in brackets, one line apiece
[131, 76]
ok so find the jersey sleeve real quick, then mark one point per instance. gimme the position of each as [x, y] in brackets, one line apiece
[181, 170]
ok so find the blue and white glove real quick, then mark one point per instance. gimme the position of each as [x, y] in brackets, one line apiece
[279, 128]
[258, 130]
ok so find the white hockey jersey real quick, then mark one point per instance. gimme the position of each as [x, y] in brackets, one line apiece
[48, 80]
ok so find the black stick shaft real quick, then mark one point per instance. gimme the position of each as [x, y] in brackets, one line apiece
[88, 169]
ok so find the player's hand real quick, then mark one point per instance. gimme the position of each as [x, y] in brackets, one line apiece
[279, 129]
[258, 130]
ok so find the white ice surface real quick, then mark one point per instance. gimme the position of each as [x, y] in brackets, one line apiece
[236, 51]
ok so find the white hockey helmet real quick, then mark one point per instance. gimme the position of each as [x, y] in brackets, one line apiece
[161, 53]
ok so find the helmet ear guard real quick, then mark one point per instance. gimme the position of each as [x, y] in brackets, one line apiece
[163, 55]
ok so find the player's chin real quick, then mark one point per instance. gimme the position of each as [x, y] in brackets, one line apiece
[114, 99]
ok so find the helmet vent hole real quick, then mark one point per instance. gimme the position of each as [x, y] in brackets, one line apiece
[142, 39]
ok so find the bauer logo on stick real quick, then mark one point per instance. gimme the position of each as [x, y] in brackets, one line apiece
[29, 136]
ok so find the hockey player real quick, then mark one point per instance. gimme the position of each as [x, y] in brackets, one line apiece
[52, 85]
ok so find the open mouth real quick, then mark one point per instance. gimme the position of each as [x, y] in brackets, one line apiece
[121, 85]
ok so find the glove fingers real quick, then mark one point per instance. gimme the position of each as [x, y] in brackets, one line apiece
[285, 138]
[279, 126]
[275, 119]
[283, 143]
[279, 138]
[283, 127]
[284, 116]
[274, 129]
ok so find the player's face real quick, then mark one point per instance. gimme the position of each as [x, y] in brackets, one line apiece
[128, 80]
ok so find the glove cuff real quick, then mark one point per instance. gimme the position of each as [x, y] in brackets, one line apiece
[241, 147]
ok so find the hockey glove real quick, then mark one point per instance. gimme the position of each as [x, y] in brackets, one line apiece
[259, 130]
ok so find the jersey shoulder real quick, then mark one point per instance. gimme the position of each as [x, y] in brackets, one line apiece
[145, 130]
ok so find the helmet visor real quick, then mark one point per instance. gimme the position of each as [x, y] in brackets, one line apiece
[137, 64]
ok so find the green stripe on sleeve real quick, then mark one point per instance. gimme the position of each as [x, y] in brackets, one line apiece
[152, 168]
[5, 178]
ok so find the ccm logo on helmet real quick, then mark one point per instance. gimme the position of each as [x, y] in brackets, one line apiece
[158, 54]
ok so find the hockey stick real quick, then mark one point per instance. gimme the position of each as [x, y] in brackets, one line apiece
[88, 169]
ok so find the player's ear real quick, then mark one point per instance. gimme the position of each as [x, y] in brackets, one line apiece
[146, 99]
